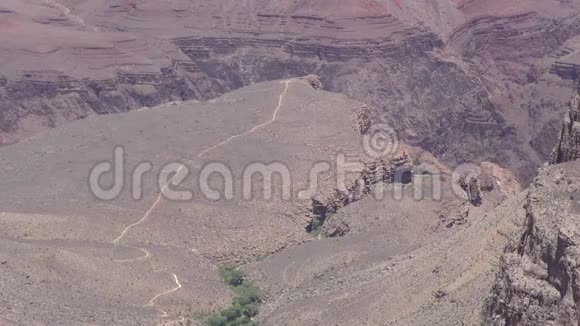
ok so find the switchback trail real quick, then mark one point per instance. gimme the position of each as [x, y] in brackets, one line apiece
[147, 254]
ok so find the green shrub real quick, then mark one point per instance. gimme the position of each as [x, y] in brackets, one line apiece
[232, 313]
[251, 310]
[245, 304]
[315, 227]
[232, 276]
[250, 292]
[216, 320]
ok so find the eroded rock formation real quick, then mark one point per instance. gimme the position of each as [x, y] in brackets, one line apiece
[537, 283]
[396, 169]
[538, 279]
[568, 146]
[472, 189]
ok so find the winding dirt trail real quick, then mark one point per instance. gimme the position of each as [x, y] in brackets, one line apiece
[146, 254]
[157, 296]
[67, 12]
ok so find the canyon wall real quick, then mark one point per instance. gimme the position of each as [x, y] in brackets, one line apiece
[537, 282]
[475, 85]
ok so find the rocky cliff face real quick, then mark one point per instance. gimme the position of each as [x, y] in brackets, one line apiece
[568, 146]
[538, 279]
[450, 77]
[121, 56]
[37, 102]
[389, 170]
[537, 283]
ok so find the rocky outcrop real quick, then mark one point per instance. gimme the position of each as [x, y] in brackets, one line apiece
[47, 99]
[538, 283]
[314, 81]
[566, 70]
[454, 213]
[335, 228]
[568, 146]
[397, 169]
[472, 189]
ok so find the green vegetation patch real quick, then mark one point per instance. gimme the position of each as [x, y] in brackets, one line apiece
[245, 304]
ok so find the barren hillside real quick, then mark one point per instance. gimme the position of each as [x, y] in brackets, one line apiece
[134, 261]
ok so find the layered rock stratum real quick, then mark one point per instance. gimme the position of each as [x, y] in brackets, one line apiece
[465, 80]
